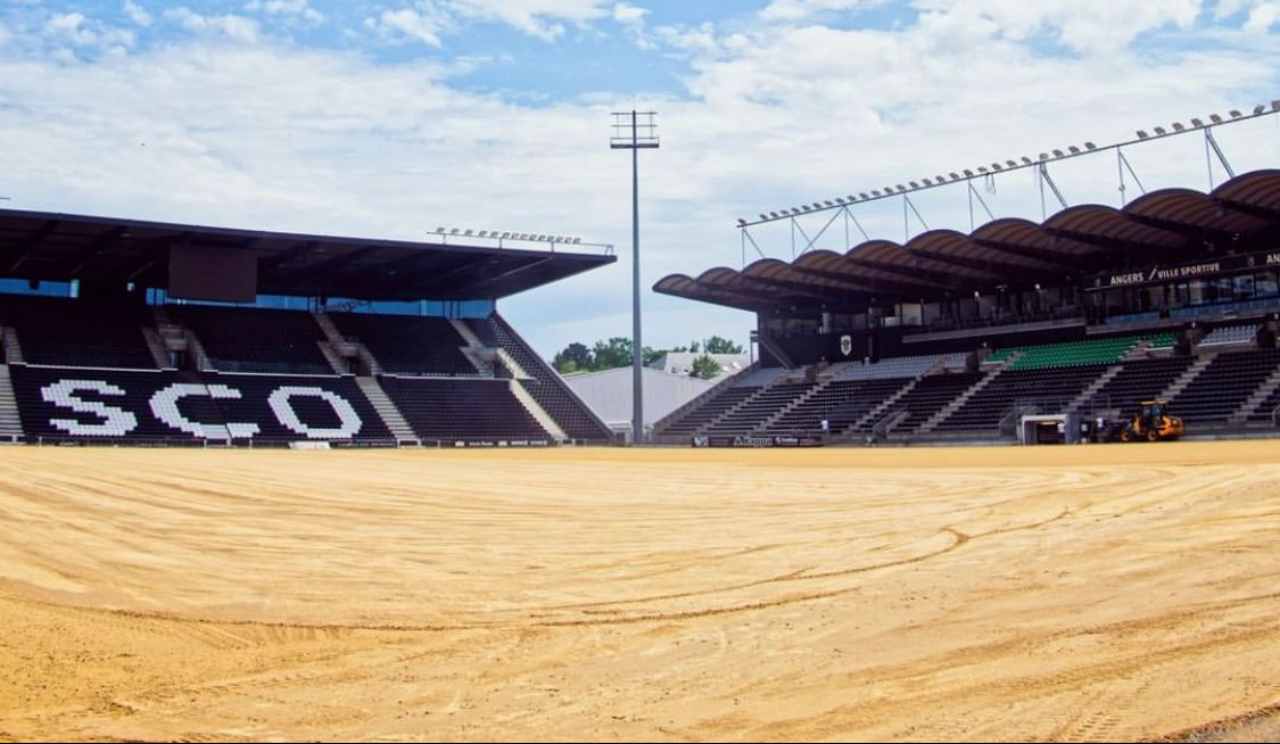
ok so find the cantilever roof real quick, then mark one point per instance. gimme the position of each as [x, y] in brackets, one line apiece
[1165, 225]
[60, 247]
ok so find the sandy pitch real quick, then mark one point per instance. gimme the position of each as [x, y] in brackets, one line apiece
[1051, 593]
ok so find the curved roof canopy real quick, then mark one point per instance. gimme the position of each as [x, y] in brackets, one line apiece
[1159, 227]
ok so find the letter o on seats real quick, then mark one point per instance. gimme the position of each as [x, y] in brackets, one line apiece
[281, 405]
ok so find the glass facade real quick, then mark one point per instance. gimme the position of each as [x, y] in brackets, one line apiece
[425, 308]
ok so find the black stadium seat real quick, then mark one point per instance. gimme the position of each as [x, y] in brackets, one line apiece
[462, 410]
[405, 344]
[79, 333]
[114, 405]
[256, 340]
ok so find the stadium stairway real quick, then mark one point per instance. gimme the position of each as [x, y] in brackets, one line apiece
[155, 344]
[12, 347]
[537, 412]
[337, 349]
[1094, 387]
[1253, 408]
[544, 384]
[662, 425]
[1186, 378]
[476, 352]
[177, 337]
[10, 421]
[790, 406]
[387, 411]
[739, 401]
[877, 413]
[955, 405]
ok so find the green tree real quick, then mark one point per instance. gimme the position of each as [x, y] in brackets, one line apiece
[718, 345]
[575, 357]
[704, 367]
[611, 354]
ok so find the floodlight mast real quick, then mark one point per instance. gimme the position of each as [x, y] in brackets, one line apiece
[635, 121]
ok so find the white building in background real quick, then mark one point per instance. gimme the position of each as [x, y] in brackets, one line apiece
[681, 363]
[609, 394]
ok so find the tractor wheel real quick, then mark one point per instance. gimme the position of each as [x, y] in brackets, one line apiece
[1153, 435]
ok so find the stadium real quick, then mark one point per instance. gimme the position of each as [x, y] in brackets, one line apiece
[280, 486]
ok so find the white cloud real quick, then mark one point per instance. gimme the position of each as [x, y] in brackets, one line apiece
[1083, 25]
[297, 9]
[419, 25]
[237, 28]
[626, 13]
[777, 114]
[426, 20]
[1263, 17]
[71, 26]
[794, 10]
[137, 13]
[85, 33]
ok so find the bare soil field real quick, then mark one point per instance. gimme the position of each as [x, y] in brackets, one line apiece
[1067, 594]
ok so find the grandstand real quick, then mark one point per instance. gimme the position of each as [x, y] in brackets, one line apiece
[953, 337]
[126, 332]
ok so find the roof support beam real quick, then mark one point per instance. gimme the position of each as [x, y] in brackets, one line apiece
[337, 262]
[1265, 213]
[1107, 244]
[1193, 232]
[911, 274]
[716, 296]
[527, 266]
[815, 291]
[34, 241]
[876, 285]
[974, 264]
[272, 264]
[1050, 262]
[98, 245]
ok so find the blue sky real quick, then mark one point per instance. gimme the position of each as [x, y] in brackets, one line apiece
[392, 117]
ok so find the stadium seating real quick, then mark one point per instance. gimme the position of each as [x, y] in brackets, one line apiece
[693, 421]
[1072, 354]
[138, 406]
[1266, 413]
[462, 410]
[911, 366]
[758, 378]
[1224, 385]
[405, 344]
[546, 387]
[256, 340]
[1136, 382]
[758, 409]
[929, 397]
[1051, 389]
[80, 333]
[843, 403]
[93, 405]
[299, 408]
[1229, 336]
